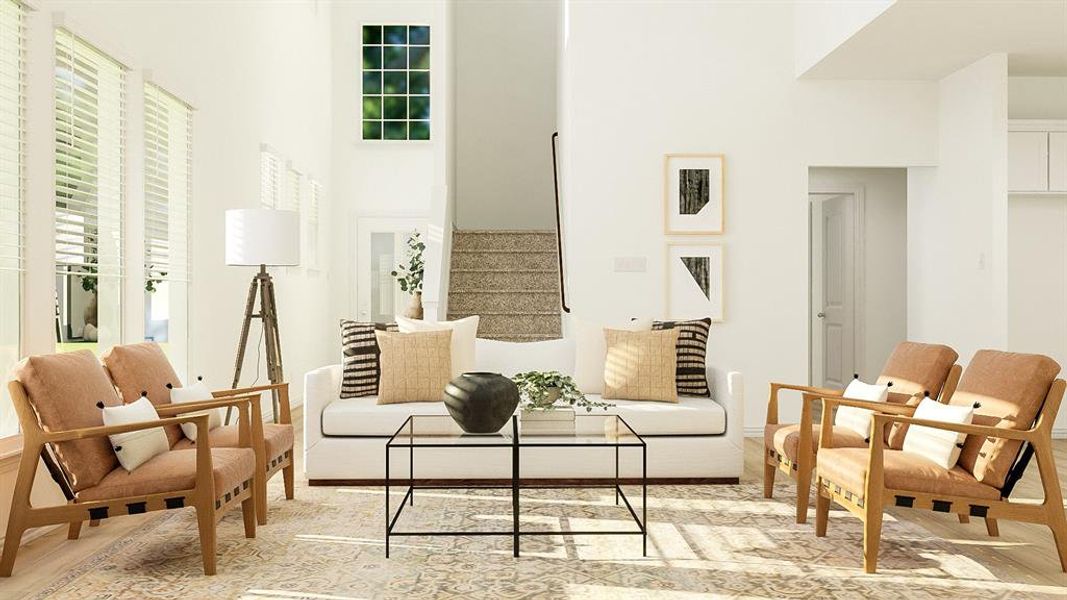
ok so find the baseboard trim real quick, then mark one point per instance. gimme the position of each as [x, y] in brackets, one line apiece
[527, 483]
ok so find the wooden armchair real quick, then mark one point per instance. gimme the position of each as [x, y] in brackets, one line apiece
[913, 370]
[144, 368]
[1016, 399]
[56, 399]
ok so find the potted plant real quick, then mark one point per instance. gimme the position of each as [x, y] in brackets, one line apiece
[542, 392]
[409, 275]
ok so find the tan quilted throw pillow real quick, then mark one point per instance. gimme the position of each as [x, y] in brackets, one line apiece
[641, 365]
[416, 367]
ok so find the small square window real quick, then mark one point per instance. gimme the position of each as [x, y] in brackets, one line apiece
[372, 82]
[372, 130]
[396, 57]
[419, 107]
[396, 82]
[396, 35]
[396, 107]
[419, 35]
[372, 107]
[372, 57]
[372, 34]
[419, 130]
[396, 130]
[420, 57]
[419, 82]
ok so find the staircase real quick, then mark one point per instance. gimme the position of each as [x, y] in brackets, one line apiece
[510, 279]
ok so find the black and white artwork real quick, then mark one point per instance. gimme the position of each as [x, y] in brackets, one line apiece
[693, 195]
[694, 286]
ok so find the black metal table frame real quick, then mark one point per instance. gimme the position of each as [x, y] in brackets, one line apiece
[515, 533]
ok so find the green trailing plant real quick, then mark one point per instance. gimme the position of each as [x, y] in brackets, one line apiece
[540, 390]
[409, 275]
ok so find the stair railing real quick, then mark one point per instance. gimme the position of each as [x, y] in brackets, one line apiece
[559, 228]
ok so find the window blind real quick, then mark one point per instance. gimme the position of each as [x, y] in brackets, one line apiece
[270, 174]
[90, 92]
[12, 133]
[314, 200]
[168, 140]
[292, 200]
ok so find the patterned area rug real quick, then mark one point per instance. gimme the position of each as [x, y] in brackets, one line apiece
[705, 542]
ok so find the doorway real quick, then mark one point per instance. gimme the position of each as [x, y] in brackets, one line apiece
[858, 269]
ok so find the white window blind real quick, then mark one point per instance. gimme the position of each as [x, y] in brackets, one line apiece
[292, 200]
[89, 127]
[168, 185]
[314, 201]
[12, 133]
[270, 174]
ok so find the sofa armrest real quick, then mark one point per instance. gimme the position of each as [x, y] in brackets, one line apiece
[321, 387]
[728, 389]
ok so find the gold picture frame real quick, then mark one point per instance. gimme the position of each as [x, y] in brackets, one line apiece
[708, 189]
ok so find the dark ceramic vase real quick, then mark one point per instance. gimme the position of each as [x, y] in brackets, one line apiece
[481, 402]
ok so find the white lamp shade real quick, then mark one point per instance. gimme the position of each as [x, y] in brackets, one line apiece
[262, 236]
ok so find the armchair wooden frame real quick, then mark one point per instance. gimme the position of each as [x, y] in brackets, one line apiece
[210, 504]
[803, 467]
[875, 496]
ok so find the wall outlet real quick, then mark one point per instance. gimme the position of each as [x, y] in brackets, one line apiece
[630, 264]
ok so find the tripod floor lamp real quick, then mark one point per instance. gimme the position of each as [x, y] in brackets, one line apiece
[262, 237]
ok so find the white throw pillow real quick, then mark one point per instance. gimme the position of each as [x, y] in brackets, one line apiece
[591, 351]
[198, 392]
[464, 332]
[938, 445]
[859, 419]
[134, 448]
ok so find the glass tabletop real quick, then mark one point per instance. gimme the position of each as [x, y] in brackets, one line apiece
[583, 430]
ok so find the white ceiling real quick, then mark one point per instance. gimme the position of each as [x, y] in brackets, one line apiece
[928, 39]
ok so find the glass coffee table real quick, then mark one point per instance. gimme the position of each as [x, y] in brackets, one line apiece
[439, 433]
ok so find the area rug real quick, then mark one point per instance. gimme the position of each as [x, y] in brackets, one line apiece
[705, 542]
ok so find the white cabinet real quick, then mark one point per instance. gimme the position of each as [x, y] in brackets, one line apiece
[1028, 161]
[1057, 161]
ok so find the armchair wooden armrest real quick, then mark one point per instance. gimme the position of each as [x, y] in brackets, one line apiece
[247, 437]
[218, 402]
[285, 413]
[826, 435]
[772, 402]
[90, 432]
[1026, 435]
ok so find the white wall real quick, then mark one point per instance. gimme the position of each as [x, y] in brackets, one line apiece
[715, 77]
[505, 113]
[957, 218]
[822, 25]
[885, 264]
[1037, 97]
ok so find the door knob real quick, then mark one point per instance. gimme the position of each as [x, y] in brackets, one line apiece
[821, 315]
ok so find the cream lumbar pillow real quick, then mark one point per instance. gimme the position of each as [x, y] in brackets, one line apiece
[416, 367]
[641, 365]
[464, 332]
[859, 419]
[134, 448]
[198, 392]
[591, 351]
[938, 445]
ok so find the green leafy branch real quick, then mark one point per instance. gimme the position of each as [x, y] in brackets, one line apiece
[409, 275]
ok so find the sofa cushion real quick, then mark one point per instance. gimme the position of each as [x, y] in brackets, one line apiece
[692, 350]
[1008, 390]
[509, 358]
[914, 368]
[276, 437]
[416, 367]
[63, 390]
[360, 357]
[847, 467]
[785, 438]
[640, 365]
[364, 416]
[137, 368]
[173, 471]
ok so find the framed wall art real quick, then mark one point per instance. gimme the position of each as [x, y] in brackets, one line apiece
[693, 199]
[694, 286]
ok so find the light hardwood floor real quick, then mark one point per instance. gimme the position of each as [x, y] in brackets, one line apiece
[1023, 553]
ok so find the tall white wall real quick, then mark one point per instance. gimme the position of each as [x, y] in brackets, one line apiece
[1037, 97]
[714, 77]
[822, 25]
[885, 263]
[957, 217]
[505, 113]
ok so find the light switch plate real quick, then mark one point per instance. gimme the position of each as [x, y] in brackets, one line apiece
[630, 264]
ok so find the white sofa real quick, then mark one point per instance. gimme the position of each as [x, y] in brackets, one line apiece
[695, 440]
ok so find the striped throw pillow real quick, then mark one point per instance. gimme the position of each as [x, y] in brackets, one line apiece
[360, 370]
[691, 374]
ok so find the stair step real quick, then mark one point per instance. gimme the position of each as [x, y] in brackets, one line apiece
[504, 280]
[509, 324]
[521, 337]
[501, 270]
[483, 302]
[517, 242]
[453, 315]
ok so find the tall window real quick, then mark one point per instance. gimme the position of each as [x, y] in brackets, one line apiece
[396, 82]
[314, 200]
[90, 90]
[12, 152]
[168, 137]
[270, 175]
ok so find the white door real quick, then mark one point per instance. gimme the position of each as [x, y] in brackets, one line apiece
[381, 243]
[833, 244]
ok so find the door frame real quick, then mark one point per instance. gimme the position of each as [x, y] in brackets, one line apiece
[859, 253]
[364, 226]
